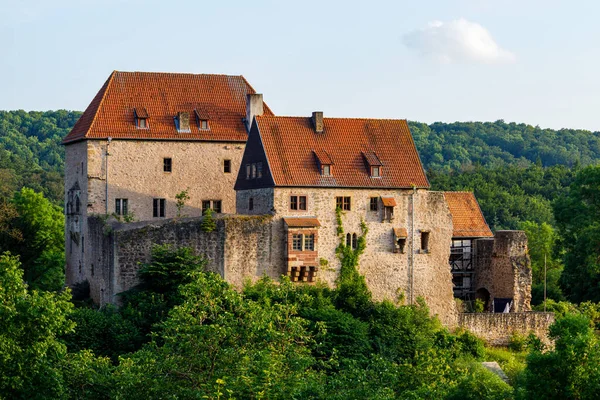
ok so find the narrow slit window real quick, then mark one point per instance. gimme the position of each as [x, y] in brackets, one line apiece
[425, 242]
[227, 166]
[251, 203]
[348, 240]
[248, 171]
[354, 241]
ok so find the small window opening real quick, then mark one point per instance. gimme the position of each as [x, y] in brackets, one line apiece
[203, 124]
[425, 242]
[215, 205]
[142, 123]
[297, 242]
[82, 244]
[251, 203]
[348, 240]
[121, 206]
[205, 206]
[388, 213]
[326, 170]
[374, 204]
[158, 208]
[248, 171]
[354, 241]
[309, 242]
[400, 245]
[376, 172]
[227, 166]
[168, 165]
[343, 203]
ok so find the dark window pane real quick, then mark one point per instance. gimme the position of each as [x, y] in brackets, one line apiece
[217, 206]
[205, 205]
[167, 165]
[374, 204]
[302, 202]
[118, 206]
[155, 208]
[124, 206]
[297, 242]
[162, 208]
[227, 166]
[293, 202]
[251, 203]
[309, 242]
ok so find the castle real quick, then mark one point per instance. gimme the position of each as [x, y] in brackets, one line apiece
[280, 187]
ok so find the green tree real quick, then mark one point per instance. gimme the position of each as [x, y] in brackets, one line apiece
[32, 321]
[40, 243]
[578, 219]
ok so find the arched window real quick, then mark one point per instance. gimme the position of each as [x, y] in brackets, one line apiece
[77, 204]
[348, 240]
[354, 241]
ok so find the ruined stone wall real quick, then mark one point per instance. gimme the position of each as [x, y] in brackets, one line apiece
[236, 249]
[497, 328]
[503, 268]
[389, 275]
[135, 172]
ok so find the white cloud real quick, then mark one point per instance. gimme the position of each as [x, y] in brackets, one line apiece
[457, 41]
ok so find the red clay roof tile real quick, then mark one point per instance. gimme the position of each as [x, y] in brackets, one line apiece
[467, 218]
[221, 98]
[302, 222]
[289, 144]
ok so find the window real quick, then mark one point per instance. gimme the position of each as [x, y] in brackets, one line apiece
[215, 205]
[374, 204]
[254, 170]
[298, 203]
[251, 203]
[158, 208]
[227, 166]
[388, 213]
[326, 170]
[167, 164]
[354, 241]
[425, 242]
[203, 124]
[297, 242]
[82, 244]
[121, 206]
[141, 123]
[342, 203]
[400, 245]
[309, 242]
[376, 172]
[348, 239]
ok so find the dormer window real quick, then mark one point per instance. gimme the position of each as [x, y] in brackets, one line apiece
[374, 164]
[182, 122]
[141, 118]
[324, 162]
[202, 120]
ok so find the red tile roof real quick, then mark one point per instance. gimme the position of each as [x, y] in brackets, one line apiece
[289, 143]
[388, 201]
[221, 98]
[400, 232]
[302, 222]
[467, 218]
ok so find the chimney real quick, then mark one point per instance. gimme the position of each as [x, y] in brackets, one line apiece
[184, 121]
[254, 107]
[317, 119]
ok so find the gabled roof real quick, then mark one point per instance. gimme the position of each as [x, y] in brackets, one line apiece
[160, 96]
[467, 219]
[291, 142]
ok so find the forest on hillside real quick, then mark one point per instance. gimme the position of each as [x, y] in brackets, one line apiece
[186, 333]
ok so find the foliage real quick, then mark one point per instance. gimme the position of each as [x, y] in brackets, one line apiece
[512, 362]
[181, 198]
[208, 223]
[577, 215]
[39, 241]
[572, 369]
[32, 321]
[31, 154]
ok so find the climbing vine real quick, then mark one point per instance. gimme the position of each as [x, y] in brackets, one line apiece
[352, 291]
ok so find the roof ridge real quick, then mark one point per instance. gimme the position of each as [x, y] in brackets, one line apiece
[338, 118]
[97, 111]
[173, 73]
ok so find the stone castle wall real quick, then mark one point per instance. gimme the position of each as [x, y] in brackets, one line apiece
[497, 328]
[389, 275]
[235, 249]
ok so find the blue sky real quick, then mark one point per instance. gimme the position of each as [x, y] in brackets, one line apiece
[527, 61]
